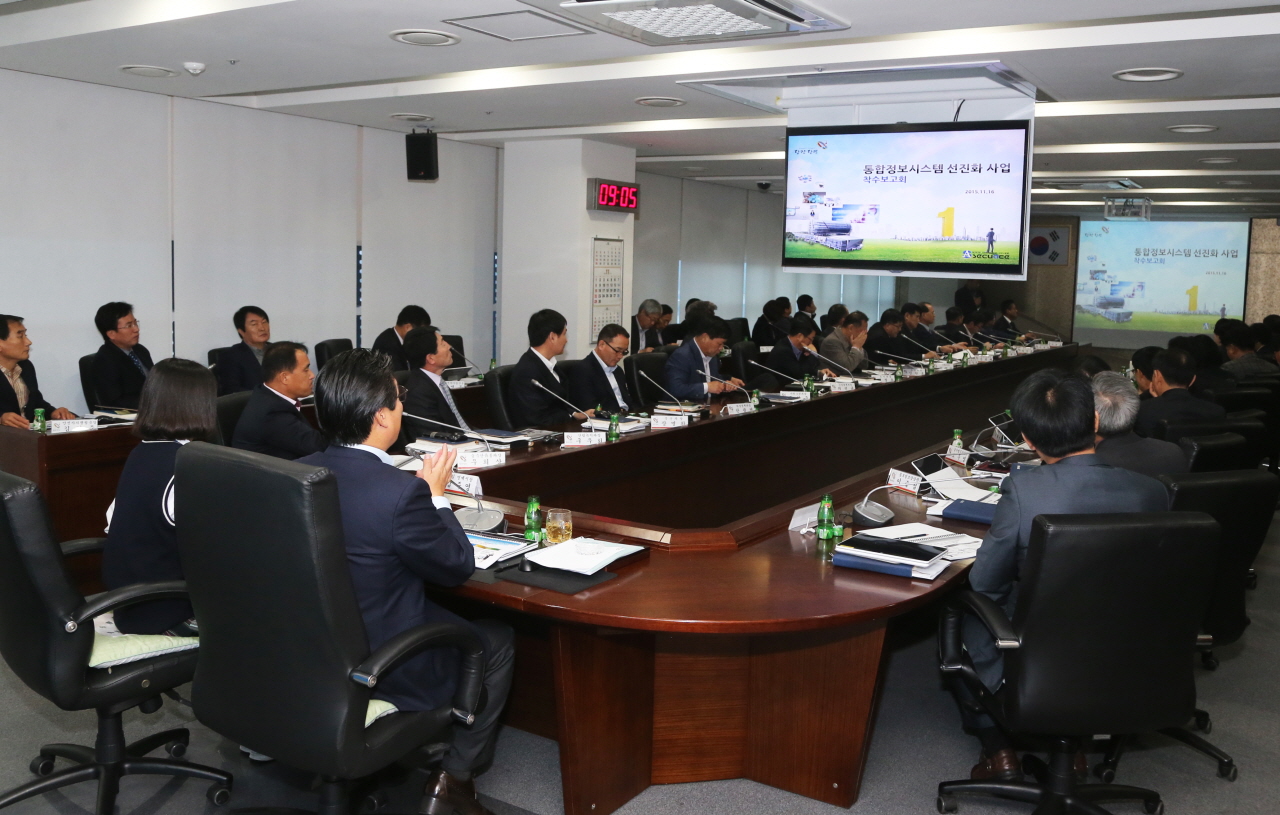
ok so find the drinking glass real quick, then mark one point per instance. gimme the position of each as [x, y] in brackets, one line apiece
[559, 526]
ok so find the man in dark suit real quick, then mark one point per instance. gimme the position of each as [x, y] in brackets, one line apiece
[272, 422]
[1173, 373]
[1243, 359]
[121, 365]
[391, 341]
[239, 368]
[770, 327]
[1005, 328]
[429, 354]
[885, 344]
[400, 533]
[20, 396]
[599, 379]
[969, 297]
[1117, 403]
[532, 406]
[794, 357]
[693, 370]
[1055, 411]
[645, 335]
[664, 325]
[1142, 370]
[917, 334]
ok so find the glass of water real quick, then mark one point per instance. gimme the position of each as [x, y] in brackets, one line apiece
[559, 526]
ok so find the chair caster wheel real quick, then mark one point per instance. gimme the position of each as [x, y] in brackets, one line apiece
[1209, 661]
[1228, 770]
[375, 801]
[1153, 807]
[218, 795]
[1251, 582]
[1104, 773]
[42, 765]
[1203, 723]
[176, 749]
[947, 803]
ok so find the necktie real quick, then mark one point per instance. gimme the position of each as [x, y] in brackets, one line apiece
[617, 387]
[137, 363]
[448, 400]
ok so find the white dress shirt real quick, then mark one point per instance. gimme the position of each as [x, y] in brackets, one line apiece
[288, 399]
[439, 502]
[550, 363]
[613, 383]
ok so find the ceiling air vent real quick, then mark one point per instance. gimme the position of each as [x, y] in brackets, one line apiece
[672, 22]
[1090, 184]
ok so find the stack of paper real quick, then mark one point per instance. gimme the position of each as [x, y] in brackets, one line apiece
[491, 549]
[959, 546]
[428, 447]
[682, 409]
[949, 485]
[581, 555]
[499, 439]
[627, 425]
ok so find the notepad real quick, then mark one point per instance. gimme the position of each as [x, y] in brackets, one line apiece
[493, 549]
[582, 555]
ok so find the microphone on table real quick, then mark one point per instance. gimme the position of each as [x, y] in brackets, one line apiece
[832, 361]
[462, 430]
[561, 398]
[997, 340]
[664, 390]
[470, 364]
[869, 513]
[477, 519]
[913, 341]
[896, 356]
[1042, 334]
[772, 371]
[727, 382]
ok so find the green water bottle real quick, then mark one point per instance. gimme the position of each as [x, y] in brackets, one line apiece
[808, 383]
[964, 361]
[897, 374]
[533, 520]
[493, 363]
[956, 440]
[40, 425]
[826, 528]
[614, 433]
[930, 364]
[755, 398]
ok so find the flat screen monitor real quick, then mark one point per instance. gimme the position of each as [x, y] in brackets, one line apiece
[1140, 283]
[923, 200]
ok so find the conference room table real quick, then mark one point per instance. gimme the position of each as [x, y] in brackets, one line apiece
[729, 648]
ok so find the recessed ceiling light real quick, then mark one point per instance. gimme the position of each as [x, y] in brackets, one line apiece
[149, 71]
[1191, 128]
[660, 101]
[1147, 74]
[1235, 183]
[423, 36]
[695, 169]
[1218, 160]
[411, 117]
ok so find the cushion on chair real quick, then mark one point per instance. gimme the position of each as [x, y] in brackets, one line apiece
[377, 709]
[120, 649]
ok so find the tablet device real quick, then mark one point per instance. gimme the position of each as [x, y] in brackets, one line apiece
[899, 551]
[930, 464]
[1006, 429]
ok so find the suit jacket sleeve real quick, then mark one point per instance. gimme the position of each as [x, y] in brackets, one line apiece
[430, 541]
[292, 432]
[996, 568]
[684, 376]
[35, 400]
[582, 386]
[106, 380]
[425, 399]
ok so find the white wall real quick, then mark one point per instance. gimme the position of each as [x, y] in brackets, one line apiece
[261, 208]
[657, 256]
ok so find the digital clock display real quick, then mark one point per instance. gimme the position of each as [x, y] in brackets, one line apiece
[613, 196]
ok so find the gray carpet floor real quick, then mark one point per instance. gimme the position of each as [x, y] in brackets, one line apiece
[917, 743]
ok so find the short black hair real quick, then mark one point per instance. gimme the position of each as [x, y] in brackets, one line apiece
[242, 314]
[109, 316]
[1176, 366]
[853, 318]
[690, 302]
[910, 308]
[784, 301]
[890, 316]
[1089, 365]
[5, 319]
[1204, 352]
[954, 313]
[179, 401]
[415, 316]
[543, 323]
[420, 343]
[610, 331]
[1055, 410]
[1240, 336]
[1224, 323]
[666, 309]
[800, 324]
[980, 316]
[1005, 306]
[714, 327]
[803, 300]
[837, 311]
[772, 311]
[1142, 359]
[280, 357]
[1262, 334]
[350, 390]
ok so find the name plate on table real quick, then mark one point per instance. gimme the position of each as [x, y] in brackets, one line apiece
[907, 482]
[470, 483]
[471, 460]
[842, 387]
[957, 455]
[939, 367]
[1024, 350]
[913, 371]
[882, 376]
[984, 358]
[800, 396]
[582, 439]
[660, 422]
[71, 425]
[456, 384]
[804, 518]
[1055, 343]
[738, 408]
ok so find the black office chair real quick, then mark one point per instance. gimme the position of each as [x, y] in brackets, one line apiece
[1254, 431]
[1109, 607]
[740, 362]
[654, 364]
[455, 342]
[497, 385]
[739, 330]
[825, 325]
[215, 354]
[569, 370]
[402, 377]
[1245, 398]
[86, 382]
[284, 664]
[47, 638]
[1223, 451]
[328, 349]
[230, 408]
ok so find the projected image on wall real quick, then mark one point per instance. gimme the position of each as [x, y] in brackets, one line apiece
[1140, 283]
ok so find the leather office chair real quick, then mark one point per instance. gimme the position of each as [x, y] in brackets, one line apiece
[569, 370]
[497, 384]
[1245, 398]
[86, 382]
[284, 665]
[327, 349]
[455, 342]
[47, 638]
[739, 330]
[653, 364]
[402, 377]
[743, 353]
[1224, 451]
[215, 354]
[1254, 431]
[1108, 611]
[230, 408]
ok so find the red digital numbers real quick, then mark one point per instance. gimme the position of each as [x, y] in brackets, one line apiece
[614, 195]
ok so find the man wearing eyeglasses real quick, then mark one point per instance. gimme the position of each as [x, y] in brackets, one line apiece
[121, 365]
[599, 379]
[428, 396]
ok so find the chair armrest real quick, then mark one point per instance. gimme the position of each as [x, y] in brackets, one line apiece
[466, 699]
[82, 546]
[125, 596]
[991, 616]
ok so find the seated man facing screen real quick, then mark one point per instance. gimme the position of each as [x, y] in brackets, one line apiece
[1055, 411]
[272, 422]
[693, 370]
[20, 396]
[121, 364]
[843, 346]
[1242, 360]
[1142, 370]
[428, 395]
[599, 380]
[400, 532]
[1173, 373]
[645, 335]
[885, 344]
[1117, 403]
[794, 358]
[953, 331]
[391, 340]
[533, 406]
[770, 327]
[917, 334]
[239, 368]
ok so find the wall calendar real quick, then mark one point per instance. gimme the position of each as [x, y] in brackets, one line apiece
[606, 283]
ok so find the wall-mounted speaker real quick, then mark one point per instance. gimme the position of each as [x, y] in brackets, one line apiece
[421, 156]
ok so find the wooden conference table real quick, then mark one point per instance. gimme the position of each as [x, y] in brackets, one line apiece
[731, 650]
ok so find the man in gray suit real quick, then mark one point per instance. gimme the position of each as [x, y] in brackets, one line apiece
[1055, 411]
[1117, 402]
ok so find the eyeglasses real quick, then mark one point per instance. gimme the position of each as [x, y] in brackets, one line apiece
[619, 351]
[402, 392]
[129, 325]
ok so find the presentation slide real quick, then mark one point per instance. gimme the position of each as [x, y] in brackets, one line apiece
[1141, 282]
[948, 202]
